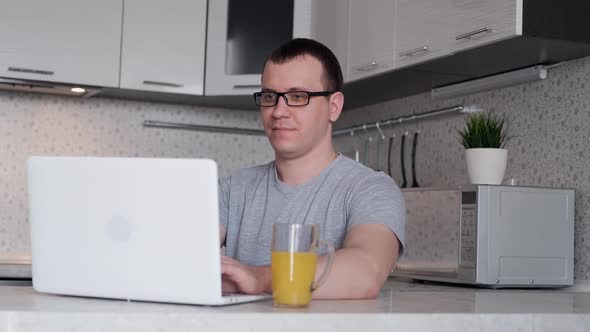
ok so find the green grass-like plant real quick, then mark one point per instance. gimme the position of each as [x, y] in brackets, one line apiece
[485, 130]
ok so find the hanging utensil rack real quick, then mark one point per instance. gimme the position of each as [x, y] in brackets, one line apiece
[213, 129]
[405, 119]
[336, 132]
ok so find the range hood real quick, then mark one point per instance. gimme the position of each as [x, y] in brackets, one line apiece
[11, 84]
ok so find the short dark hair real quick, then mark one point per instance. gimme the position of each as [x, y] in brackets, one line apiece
[302, 46]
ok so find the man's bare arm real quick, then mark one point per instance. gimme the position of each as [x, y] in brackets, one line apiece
[359, 270]
[362, 265]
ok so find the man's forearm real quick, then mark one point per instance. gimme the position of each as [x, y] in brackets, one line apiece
[353, 275]
[359, 269]
[362, 265]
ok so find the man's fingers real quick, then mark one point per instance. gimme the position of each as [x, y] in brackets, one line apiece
[226, 261]
[229, 266]
[241, 276]
[228, 286]
[233, 272]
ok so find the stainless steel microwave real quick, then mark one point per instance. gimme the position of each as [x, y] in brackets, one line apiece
[492, 236]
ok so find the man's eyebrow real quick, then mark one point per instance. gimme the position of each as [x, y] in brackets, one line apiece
[297, 88]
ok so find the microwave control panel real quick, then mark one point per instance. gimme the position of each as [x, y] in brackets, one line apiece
[468, 231]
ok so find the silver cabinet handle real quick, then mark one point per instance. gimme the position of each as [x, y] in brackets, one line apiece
[473, 33]
[168, 84]
[415, 51]
[247, 86]
[30, 71]
[368, 67]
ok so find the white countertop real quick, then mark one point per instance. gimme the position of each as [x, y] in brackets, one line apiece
[401, 306]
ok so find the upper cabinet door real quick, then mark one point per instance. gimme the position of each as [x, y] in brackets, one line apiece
[242, 34]
[61, 41]
[163, 46]
[422, 31]
[479, 22]
[329, 26]
[371, 47]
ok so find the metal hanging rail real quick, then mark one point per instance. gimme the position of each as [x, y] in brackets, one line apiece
[403, 119]
[213, 129]
[337, 132]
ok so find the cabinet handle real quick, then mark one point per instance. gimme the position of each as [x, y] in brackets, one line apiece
[368, 67]
[247, 86]
[473, 33]
[415, 51]
[168, 84]
[30, 71]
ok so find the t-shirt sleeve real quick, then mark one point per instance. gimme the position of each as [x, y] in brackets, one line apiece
[378, 200]
[224, 190]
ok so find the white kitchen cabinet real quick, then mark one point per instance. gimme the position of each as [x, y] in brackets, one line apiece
[479, 22]
[329, 26]
[163, 46]
[371, 40]
[242, 34]
[61, 41]
[422, 30]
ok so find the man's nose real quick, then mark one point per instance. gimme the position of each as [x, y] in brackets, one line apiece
[281, 108]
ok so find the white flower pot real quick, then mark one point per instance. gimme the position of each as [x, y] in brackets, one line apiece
[486, 166]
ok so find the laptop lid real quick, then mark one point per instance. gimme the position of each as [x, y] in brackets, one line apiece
[126, 228]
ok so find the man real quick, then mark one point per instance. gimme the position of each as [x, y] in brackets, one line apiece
[359, 210]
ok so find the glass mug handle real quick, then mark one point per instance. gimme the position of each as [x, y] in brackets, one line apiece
[330, 259]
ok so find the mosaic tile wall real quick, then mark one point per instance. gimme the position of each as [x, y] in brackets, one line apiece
[551, 121]
[36, 124]
[432, 239]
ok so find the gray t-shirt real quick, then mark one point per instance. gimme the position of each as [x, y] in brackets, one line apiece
[344, 194]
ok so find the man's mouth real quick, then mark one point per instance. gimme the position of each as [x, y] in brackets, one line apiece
[282, 128]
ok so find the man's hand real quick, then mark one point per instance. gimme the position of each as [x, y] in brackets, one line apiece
[240, 278]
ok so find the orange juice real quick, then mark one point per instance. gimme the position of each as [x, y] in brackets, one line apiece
[292, 276]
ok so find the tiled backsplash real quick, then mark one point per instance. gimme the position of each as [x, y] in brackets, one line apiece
[35, 124]
[551, 125]
[550, 119]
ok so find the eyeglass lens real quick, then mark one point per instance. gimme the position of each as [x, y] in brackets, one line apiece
[292, 98]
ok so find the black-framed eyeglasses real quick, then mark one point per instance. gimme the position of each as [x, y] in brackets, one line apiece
[292, 98]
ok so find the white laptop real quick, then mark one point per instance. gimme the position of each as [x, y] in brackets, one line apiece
[127, 228]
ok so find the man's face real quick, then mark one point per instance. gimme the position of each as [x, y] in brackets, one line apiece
[294, 131]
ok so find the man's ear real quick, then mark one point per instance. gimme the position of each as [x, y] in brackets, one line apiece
[336, 104]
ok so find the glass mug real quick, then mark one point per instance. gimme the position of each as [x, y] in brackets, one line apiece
[293, 263]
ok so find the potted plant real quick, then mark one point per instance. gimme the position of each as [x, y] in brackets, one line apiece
[485, 137]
